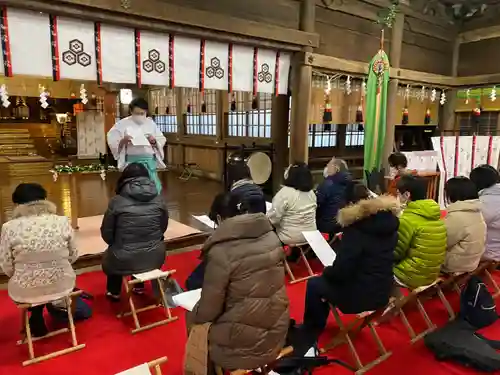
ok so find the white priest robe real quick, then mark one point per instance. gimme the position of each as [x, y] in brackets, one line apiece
[127, 126]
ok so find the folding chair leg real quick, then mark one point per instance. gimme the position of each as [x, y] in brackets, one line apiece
[29, 338]
[131, 303]
[446, 304]
[71, 322]
[306, 262]
[289, 272]
[407, 324]
[345, 333]
[493, 283]
[164, 299]
[381, 348]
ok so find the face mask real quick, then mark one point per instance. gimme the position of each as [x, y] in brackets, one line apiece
[285, 175]
[325, 172]
[138, 119]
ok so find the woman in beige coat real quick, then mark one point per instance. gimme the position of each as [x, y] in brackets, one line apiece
[36, 252]
[465, 226]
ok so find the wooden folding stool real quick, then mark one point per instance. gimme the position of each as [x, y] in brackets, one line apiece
[303, 247]
[399, 303]
[147, 367]
[347, 334]
[155, 275]
[28, 339]
[486, 268]
[266, 369]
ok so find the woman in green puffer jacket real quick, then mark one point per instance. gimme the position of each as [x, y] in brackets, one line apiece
[421, 247]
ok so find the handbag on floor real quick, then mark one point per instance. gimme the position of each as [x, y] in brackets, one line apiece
[171, 288]
[477, 305]
[82, 309]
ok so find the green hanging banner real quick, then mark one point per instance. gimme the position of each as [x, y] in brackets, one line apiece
[376, 112]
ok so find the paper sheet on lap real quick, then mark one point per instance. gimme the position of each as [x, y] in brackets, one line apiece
[268, 206]
[320, 247]
[205, 220]
[138, 370]
[187, 300]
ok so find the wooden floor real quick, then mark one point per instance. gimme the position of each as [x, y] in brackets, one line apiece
[184, 198]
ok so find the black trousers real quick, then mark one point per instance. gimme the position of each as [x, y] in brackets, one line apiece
[114, 284]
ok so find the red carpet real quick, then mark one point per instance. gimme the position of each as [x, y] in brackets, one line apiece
[111, 347]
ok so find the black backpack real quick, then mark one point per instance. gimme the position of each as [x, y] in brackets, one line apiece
[477, 305]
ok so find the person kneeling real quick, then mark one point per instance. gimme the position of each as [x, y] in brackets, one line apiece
[361, 277]
[242, 317]
[133, 227]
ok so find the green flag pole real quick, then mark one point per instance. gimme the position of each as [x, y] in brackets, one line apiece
[376, 110]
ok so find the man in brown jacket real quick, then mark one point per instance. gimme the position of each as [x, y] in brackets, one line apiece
[243, 294]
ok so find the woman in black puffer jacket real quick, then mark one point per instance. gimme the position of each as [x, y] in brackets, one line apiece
[133, 227]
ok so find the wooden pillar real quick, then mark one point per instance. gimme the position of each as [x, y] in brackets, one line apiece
[447, 122]
[222, 124]
[180, 105]
[392, 92]
[301, 91]
[279, 134]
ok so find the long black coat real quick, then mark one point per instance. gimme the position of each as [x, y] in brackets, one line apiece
[361, 276]
[331, 197]
[133, 227]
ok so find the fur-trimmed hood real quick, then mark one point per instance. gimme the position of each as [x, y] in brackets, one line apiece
[34, 208]
[382, 212]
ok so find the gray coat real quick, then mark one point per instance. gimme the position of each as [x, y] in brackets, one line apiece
[490, 207]
[133, 227]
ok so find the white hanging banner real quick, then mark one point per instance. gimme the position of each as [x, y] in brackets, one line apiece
[117, 50]
[153, 58]
[242, 68]
[186, 62]
[284, 72]
[214, 66]
[30, 43]
[265, 81]
[75, 43]
[457, 156]
[43, 45]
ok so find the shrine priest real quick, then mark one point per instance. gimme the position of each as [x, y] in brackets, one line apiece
[137, 139]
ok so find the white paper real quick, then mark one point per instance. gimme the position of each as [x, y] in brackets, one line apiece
[138, 370]
[187, 300]
[205, 220]
[268, 206]
[320, 247]
[138, 137]
[151, 275]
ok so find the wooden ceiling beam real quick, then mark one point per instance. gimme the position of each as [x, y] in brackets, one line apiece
[161, 16]
[483, 33]
[335, 64]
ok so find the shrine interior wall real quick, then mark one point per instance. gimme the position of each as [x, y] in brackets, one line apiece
[479, 57]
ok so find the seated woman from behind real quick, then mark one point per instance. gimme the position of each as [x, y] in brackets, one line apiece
[465, 226]
[487, 181]
[243, 297]
[243, 186]
[37, 249]
[294, 206]
[133, 227]
[361, 277]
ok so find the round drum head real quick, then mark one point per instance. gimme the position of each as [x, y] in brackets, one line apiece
[260, 167]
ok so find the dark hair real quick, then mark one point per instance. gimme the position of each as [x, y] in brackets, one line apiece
[138, 103]
[398, 159]
[225, 205]
[484, 176]
[357, 192]
[415, 185]
[132, 170]
[299, 177]
[238, 170]
[30, 192]
[460, 189]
